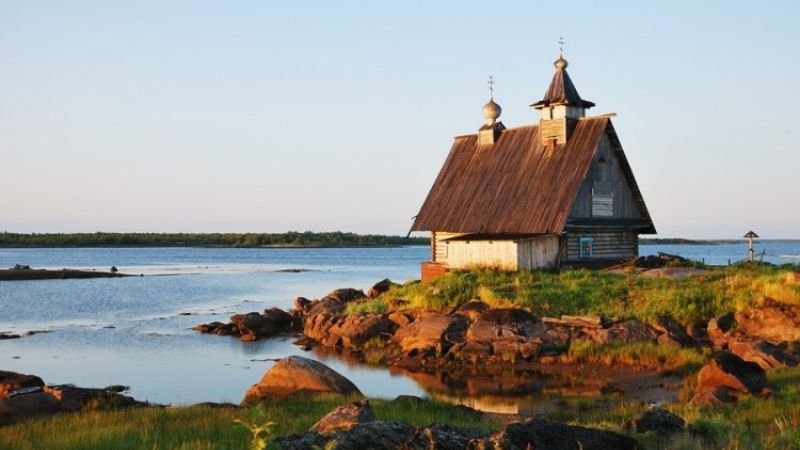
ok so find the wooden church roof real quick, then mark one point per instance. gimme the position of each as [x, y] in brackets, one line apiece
[561, 90]
[518, 185]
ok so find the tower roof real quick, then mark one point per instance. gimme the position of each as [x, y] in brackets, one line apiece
[561, 90]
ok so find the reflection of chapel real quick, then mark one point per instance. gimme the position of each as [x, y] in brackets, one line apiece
[560, 192]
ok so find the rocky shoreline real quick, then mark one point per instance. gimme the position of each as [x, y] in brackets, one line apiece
[476, 339]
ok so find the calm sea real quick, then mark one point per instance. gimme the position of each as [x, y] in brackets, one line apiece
[137, 331]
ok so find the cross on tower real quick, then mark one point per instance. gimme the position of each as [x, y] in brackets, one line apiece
[561, 45]
[491, 87]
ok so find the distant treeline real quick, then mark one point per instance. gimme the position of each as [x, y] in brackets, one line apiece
[290, 239]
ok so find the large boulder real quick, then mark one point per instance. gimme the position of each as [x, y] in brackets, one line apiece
[344, 417]
[726, 377]
[10, 382]
[771, 320]
[298, 375]
[538, 433]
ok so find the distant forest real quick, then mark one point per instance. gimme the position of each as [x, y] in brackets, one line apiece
[290, 239]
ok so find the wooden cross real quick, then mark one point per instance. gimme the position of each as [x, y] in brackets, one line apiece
[491, 86]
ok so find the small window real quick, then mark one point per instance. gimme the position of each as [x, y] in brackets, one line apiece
[586, 246]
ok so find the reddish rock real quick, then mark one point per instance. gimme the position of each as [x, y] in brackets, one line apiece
[501, 324]
[765, 354]
[432, 331]
[13, 381]
[355, 330]
[472, 309]
[771, 320]
[718, 327]
[298, 375]
[401, 318]
[732, 373]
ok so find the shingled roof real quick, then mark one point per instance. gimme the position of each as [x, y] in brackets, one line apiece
[561, 90]
[518, 185]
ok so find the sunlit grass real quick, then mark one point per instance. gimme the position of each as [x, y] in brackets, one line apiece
[621, 295]
[202, 428]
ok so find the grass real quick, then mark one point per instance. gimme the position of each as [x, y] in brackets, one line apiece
[620, 295]
[753, 423]
[669, 358]
[201, 428]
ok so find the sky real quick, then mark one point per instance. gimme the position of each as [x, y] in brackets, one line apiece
[258, 116]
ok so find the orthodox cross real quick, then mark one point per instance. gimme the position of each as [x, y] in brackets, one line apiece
[561, 45]
[491, 87]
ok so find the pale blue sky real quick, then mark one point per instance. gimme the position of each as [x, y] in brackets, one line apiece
[275, 116]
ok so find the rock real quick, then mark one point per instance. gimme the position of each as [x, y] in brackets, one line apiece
[210, 327]
[672, 332]
[74, 398]
[719, 326]
[623, 332]
[431, 332]
[378, 435]
[344, 417]
[25, 405]
[380, 287]
[372, 435]
[401, 318]
[9, 336]
[732, 373]
[356, 330]
[765, 354]
[576, 321]
[253, 326]
[543, 434]
[302, 304]
[661, 421]
[472, 309]
[13, 381]
[499, 324]
[346, 295]
[473, 352]
[318, 326]
[297, 375]
[771, 320]
[446, 437]
[327, 305]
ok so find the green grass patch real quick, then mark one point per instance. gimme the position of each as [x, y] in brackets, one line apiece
[666, 357]
[621, 295]
[202, 428]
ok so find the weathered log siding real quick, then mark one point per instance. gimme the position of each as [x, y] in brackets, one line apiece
[439, 245]
[501, 254]
[538, 253]
[606, 245]
[606, 178]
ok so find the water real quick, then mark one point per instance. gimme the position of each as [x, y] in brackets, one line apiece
[137, 331]
[776, 252]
